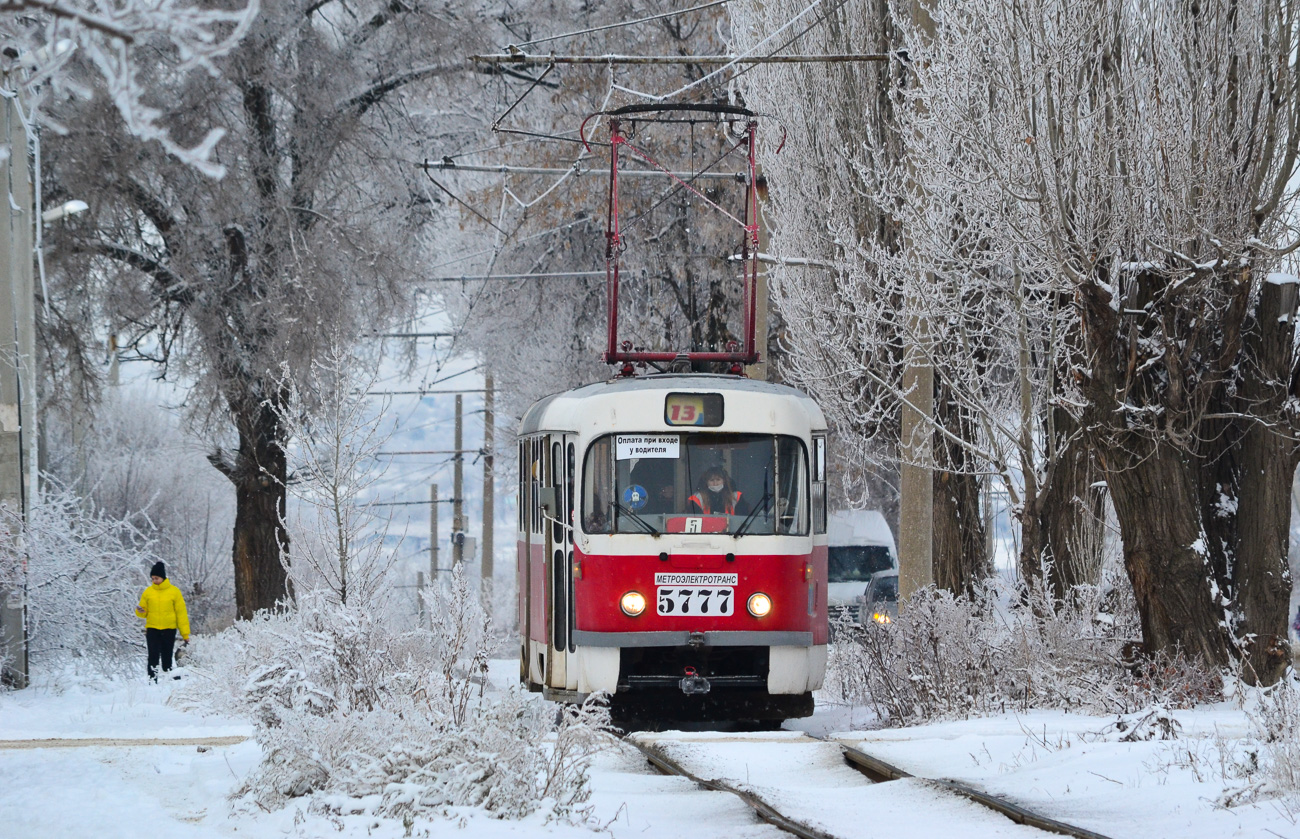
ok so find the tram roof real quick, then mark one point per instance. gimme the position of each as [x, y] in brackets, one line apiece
[566, 410]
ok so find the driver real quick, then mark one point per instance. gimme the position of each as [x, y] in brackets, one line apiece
[715, 495]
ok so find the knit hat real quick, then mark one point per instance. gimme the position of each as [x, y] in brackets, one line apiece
[158, 570]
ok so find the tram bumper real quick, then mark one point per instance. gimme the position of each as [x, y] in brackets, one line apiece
[779, 662]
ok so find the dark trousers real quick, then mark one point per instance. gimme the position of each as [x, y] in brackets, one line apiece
[160, 643]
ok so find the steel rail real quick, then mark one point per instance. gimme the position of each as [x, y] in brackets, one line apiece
[765, 811]
[879, 770]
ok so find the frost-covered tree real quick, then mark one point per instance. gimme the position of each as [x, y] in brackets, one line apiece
[313, 232]
[1113, 180]
[56, 47]
[336, 433]
[842, 287]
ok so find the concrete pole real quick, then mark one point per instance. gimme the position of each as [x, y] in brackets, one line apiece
[489, 486]
[457, 500]
[916, 513]
[433, 531]
[113, 377]
[17, 372]
[419, 599]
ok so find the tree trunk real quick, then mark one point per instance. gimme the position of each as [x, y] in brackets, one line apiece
[1155, 485]
[1219, 472]
[1262, 574]
[958, 547]
[1157, 504]
[1073, 513]
[959, 556]
[260, 545]
[1268, 457]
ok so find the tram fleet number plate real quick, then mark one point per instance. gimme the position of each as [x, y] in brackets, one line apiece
[695, 594]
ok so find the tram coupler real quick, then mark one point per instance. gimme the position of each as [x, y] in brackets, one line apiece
[694, 683]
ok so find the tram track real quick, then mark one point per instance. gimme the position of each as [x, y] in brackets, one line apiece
[879, 784]
[762, 808]
[874, 766]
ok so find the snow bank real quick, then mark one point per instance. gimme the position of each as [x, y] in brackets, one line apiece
[358, 717]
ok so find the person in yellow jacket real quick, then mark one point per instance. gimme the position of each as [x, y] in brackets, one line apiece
[163, 610]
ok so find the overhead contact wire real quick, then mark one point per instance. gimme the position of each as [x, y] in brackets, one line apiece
[619, 25]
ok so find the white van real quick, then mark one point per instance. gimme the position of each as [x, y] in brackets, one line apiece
[860, 544]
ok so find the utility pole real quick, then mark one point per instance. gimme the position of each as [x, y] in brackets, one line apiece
[433, 531]
[489, 487]
[916, 479]
[17, 373]
[419, 597]
[458, 500]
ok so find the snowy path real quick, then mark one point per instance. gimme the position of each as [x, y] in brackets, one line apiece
[117, 742]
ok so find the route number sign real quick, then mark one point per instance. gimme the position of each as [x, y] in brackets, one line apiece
[697, 409]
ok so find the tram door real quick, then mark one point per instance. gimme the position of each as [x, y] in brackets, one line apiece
[532, 578]
[561, 470]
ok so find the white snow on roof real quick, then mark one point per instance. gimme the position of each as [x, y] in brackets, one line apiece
[859, 527]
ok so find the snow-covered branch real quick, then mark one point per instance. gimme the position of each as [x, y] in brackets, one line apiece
[49, 41]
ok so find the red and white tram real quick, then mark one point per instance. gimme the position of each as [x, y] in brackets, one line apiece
[672, 527]
[633, 582]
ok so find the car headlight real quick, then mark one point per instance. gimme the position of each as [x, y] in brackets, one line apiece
[759, 604]
[632, 603]
[881, 617]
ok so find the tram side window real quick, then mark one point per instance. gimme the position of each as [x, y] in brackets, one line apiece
[536, 473]
[570, 501]
[819, 484]
[557, 466]
[523, 487]
[792, 505]
[598, 487]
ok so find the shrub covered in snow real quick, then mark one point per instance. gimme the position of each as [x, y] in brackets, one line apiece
[365, 717]
[1274, 714]
[1000, 649]
[83, 571]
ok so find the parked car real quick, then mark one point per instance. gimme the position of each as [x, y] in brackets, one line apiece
[880, 602]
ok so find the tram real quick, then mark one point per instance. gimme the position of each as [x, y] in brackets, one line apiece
[672, 548]
[631, 582]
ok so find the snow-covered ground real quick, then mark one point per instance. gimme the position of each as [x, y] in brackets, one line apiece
[1079, 770]
[1074, 768]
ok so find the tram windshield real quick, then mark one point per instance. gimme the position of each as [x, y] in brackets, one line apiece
[737, 484]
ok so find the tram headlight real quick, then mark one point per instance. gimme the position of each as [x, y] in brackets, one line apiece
[632, 603]
[759, 604]
[881, 617]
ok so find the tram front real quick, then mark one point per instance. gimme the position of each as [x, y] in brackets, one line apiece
[699, 558]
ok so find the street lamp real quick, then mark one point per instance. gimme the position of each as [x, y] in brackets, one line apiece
[69, 208]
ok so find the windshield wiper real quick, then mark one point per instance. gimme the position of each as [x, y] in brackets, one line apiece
[649, 528]
[761, 505]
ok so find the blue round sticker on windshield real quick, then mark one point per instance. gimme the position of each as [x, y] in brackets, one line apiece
[635, 497]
